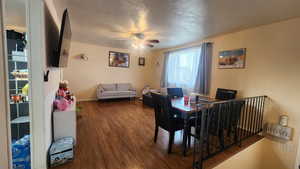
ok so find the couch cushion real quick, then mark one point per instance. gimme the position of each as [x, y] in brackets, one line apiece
[109, 87]
[123, 86]
[116, 93]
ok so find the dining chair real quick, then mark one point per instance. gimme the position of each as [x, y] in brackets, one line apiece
[165, 118]
[231, 121]
[224, 119]
[219, 119]
[225, 94]
[175, 92]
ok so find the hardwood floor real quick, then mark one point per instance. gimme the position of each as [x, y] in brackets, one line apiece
[119, 135]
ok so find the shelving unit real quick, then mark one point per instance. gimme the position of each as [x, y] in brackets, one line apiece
[19, 112]
[18, 102]
[20, 120]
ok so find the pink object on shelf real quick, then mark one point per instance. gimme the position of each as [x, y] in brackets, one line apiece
[186, 100]
[61, 92]
[61, 104]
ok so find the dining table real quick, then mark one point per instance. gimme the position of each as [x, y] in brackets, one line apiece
[187, 111]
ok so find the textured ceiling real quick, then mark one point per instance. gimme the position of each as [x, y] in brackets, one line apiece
[173, 22]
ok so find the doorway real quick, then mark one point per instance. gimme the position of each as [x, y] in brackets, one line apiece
[16, 82]
[4, 155]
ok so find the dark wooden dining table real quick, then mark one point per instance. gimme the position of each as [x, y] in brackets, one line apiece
[187, 111]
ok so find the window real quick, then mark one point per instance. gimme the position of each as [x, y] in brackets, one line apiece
[182, 68]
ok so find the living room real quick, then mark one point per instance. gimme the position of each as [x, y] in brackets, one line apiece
[267, 72]
[121, 51]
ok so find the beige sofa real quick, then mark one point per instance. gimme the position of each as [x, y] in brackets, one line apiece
[116, 90]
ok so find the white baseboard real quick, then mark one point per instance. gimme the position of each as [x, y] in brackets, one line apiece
[86, 100]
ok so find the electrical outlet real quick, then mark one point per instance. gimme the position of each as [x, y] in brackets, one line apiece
[278, 131]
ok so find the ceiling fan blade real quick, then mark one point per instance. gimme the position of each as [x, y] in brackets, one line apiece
[139, 35]
[150, 45]
[153, 41]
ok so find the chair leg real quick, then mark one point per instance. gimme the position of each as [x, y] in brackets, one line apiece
[221, 139]
[171, 141]
[229, 131]
[207, 145]
[156, 133]
[189, 138]
[235, 135]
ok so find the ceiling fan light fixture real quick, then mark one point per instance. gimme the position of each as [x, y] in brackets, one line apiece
[139, 41]
[139, 35]
[138, 44]
[142, 46]
[134, 46]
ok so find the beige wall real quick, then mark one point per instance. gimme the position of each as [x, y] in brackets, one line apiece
[272, 69]
[84, 76]
[254, 157]
[248, 158]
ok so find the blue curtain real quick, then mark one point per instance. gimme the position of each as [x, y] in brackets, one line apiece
[188, 68]
[164, 78]
[204, 72]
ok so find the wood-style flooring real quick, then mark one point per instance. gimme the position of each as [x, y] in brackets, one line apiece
[119, 135]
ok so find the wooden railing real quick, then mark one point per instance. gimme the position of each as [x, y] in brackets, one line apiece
[221, 125]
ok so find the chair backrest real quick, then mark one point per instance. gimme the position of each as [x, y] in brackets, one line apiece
[175, 92]
[230, 113]
[225, 94]
[224, 115]
[162, 108]
[217, 126]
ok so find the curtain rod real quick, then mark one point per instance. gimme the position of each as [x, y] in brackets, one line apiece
[192, 46]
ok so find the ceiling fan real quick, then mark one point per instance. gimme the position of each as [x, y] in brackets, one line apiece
[139, 40]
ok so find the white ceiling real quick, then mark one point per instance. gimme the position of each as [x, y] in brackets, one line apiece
[173, 22]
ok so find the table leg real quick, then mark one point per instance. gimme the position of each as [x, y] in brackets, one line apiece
[185, 135]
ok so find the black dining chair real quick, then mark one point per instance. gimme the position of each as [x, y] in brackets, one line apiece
[225, 94]
[165, 118]
[218, 119]
[224, 119]
[231, 121]
[175, 92]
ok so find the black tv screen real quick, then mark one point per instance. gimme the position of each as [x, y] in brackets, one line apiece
[51, 38]
[64, 44]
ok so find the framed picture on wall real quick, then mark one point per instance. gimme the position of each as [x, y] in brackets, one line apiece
[141, 61]
[232, 59]
[118, 59]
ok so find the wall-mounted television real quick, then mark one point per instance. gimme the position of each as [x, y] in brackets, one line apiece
[51, 37]
[57, 43]
[64, 43]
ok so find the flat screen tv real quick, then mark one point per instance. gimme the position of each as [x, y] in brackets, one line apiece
[51, 38]
[62, 54]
